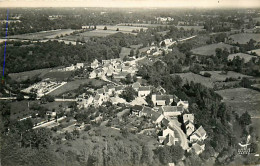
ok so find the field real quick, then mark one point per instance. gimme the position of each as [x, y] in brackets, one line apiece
[210, 49]
[218, 76]
[29, 74]
[58, 75]
[140, 25]
[196, 28]
[19, 109]
[243, 38]
[42, 35]
[123, 29]
[124, 52]
[257, 51]
[208, 82]
[241, 100]
[246, 57]
[73, 85]
[42, 73]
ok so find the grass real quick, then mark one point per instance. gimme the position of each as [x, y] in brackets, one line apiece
[208, 82]
[73, 85]
[124, 52]
[246, 57]
[243, 38]
[241, 100]
[196, 28]
[58, 75]
[42, 35]
[257, 51]
[210, 49]
[218, 76]
[29, 74]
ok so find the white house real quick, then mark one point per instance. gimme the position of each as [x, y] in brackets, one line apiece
[144, 91]
[184, 104]
[188, 120]
[197, 148]
[199, 135]
[79, 65]
[167, 137]
[161, 100]
[94, 64]
[171, 110]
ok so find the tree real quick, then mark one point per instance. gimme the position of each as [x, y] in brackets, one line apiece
[245, 119]
[131, 53]
[163, 44]
[128, 94]
[20, 97]
[105, 28]
[117, 29]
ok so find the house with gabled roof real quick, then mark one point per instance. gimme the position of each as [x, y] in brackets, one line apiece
[136, 86]
[198, 148]
[171, 110]
[167, 137]
[184, 104]
[146, 111]
[157, 117]
[199, 135]
[188, 120]
[161, 100]
[144, 91]
[161, 90]
[94, 64]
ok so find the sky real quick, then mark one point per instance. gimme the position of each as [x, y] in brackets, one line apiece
[133, 3]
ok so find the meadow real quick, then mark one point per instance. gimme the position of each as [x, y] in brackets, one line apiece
[208, 50]
[243, 38]
[241, 100]
[42, 35]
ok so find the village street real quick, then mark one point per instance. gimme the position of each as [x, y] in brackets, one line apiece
[183, 137]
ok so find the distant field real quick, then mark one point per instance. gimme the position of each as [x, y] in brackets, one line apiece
[58, 75]
[208, 82]
[140, 25]
[124, 52]
[73, 85]
[257, 51]
[196, 28]
[243, 38]
[210, 49]
[241, 100]
[29, 74]
[42, 73]
[218, 76]
[126, 29]
[42, 35]
[246, 57]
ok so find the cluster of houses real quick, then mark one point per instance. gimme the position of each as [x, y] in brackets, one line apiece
[115, 68]
[73, 67]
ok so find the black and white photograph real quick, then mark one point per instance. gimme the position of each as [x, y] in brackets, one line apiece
[129, 82]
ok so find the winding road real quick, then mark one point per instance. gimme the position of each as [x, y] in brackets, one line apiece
[183, 137]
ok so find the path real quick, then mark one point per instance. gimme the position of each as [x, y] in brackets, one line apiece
[183, 137]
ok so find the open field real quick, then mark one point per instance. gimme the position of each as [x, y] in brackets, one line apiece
[123, 29]
[246, 57]
[58, 75]
[140, 25]
[241, 100]
[219, 76]
[210, 49]
[19, 109]
[42, 35]
[42, 73]
[257, 51]
[124, 52]
[73, 85]
[29, 74]
[208, 82]
[196, 28]
[243, 38]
